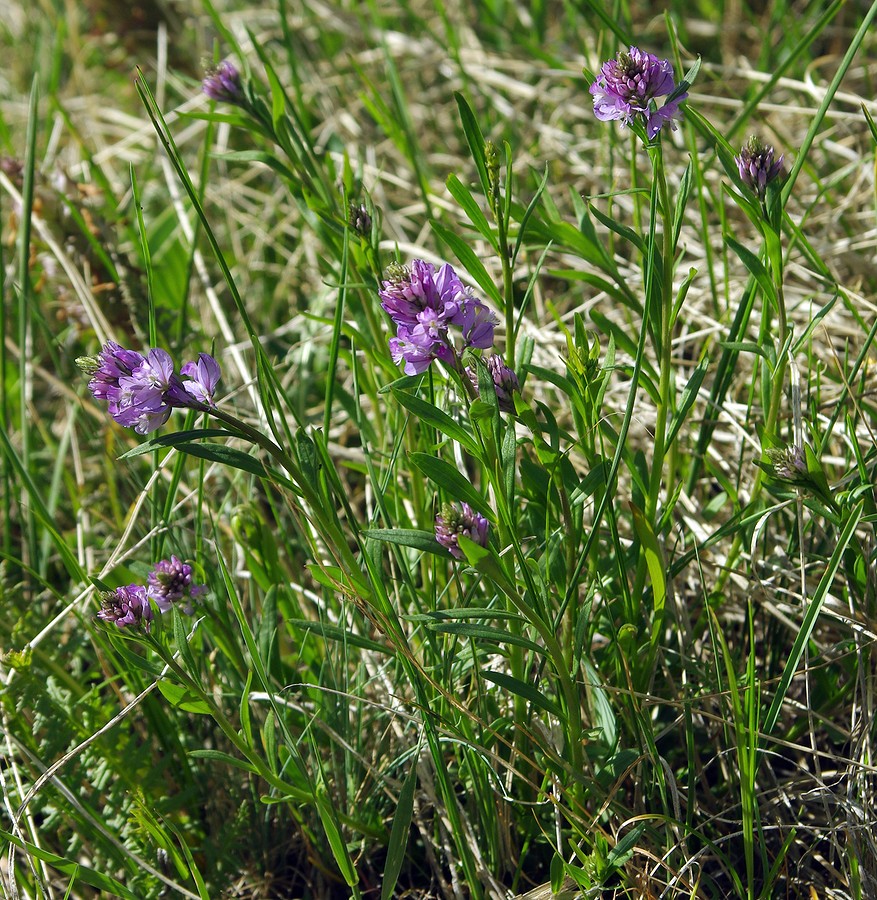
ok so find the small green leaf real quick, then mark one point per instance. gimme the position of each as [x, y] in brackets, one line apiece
[464, 197]
[475, 140]
[407, 537]
[453, 482]
[226, 456]
[622, 230]
[440, 420]
[485, 633]
[686, 400]
[332, 829]
[398, 843]
[757, 269]
[178, 437]
[336, 633]
[182, 698]
[219, 756]
[471, 263]
[623, 850]
[654, 558]
[523, 689]
[467, 612]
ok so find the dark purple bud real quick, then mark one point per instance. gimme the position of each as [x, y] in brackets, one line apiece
[170, 582]
[223, 84]
[505, 382]
[756, 165]
[789, 464]
[359, 219]
[126, 607]
[456, 519]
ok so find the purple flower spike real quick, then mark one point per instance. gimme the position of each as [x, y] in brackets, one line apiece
[505, 382]
[756, 165]
[126, 607]
[132, 385]
[205, 375]
[412, 291]
[627, 86]
[456, 519]
[146, 396]
[142, 390]
[170, 582]
[105, 369]
[424, 303]
[223, 84]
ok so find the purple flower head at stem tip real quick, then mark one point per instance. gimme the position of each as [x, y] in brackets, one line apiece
[505, 382]
[126, 607]
[142, 390]
[170, 582]
[789, 464]
[456, 519]
[223, 84]
[411, 291]
[756, 165]
[424, 304]
[627, 86]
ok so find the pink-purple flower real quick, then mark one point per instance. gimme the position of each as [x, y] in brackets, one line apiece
[126, 607]
[142, 390]
[170, 582]
[424, 304]
[202, 378]
[627, 87]
[457, 519]
[223, 84]
[505, 382]
[756, 165]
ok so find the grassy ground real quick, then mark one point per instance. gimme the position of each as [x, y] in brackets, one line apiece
[657, 678]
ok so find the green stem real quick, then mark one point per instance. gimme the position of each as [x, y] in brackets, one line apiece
[231, 733]
[777, 392]
[666, 332]
[508, 295]
[330, 531]
[663, 347]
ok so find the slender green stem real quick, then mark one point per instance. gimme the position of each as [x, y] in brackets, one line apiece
[252, 434]
[329, 530]
[508, 293]
[665, 349]
[781, 363]
[228, 729]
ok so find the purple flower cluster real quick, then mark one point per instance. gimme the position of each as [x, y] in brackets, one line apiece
[505, 382]
[756, 165]
[126, 607]
[223, 84]
[789, 464]
[456, 519]
[142, 390]
[169, 584]
[627, 87]
[424, 304]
